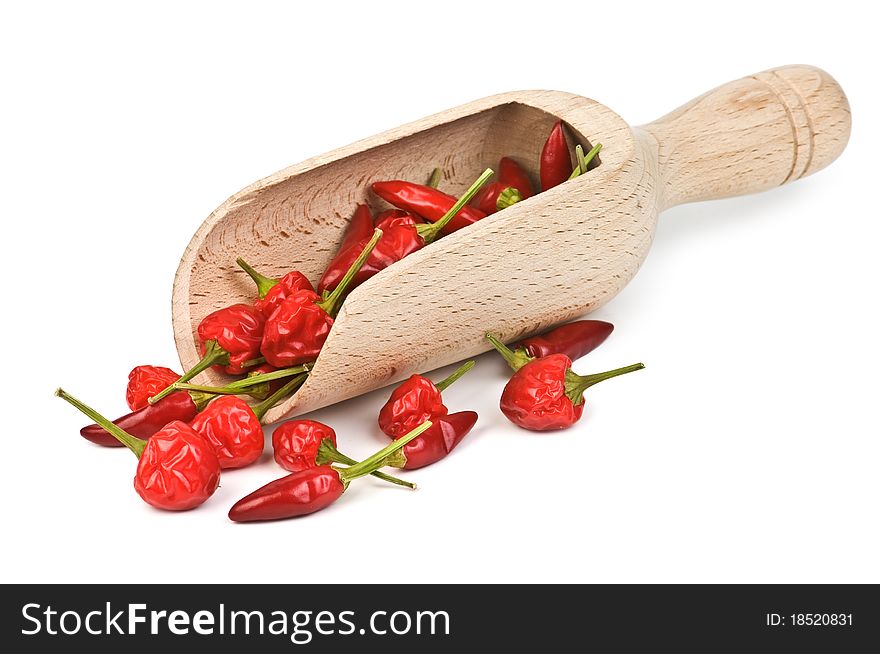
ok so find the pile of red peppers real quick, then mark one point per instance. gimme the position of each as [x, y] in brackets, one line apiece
[184, 434]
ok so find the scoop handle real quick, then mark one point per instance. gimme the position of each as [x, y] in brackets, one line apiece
[750, 135]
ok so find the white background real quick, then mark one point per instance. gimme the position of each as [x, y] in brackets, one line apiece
[747, 450]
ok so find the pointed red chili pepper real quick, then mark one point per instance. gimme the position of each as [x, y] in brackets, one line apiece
[395, 244]
[302, 444]
[429, 203]
[512, 174]
[545, 393]
[556, 164]
[438, 441]
[272, 292]
[313, 489]
[144, 382]
[146, 421]
[229, 338]
[177, 469]
[574, 339]
[402, 235]
[360, 228]
[416, 400]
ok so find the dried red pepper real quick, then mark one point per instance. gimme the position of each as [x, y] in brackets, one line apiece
[426, 202]
[230, 338]
[313, 489]
[555, 158]
[495, 197]
[417, 399]
[297, 330]
[512, 174]
[445, 433]
[402, 235]
[545, 393]
[302, 444]
[272, 292]
[574, 339]
[146, 381]
[177, 468]
[146, 421]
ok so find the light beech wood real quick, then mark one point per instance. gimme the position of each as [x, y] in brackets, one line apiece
[549, 259]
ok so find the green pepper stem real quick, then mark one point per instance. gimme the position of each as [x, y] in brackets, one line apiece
[264, 284]
[254, 380]
[136, 445]
[443, 384]
[584, 160]
[214, 354]
[516, 359]
[333, 302]
[430, 232]
[380, 458]
[264, 406]
[576, 384]
[327, 453]
[250, 363]
[507, 198]
[435, 178]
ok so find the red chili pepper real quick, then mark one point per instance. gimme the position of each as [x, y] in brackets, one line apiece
[360, 228]
[144, 382]
[511, 174]
[312, 489]
[438, 441]
[416, 400]
[574, 339]
[229, 338]
[145, 422]
[546, 393]
[303, 444]
[402, 235]
[177, 469]
[272, 292]
[556, 164]
[297, 330]
[399, 239]
[429, 203]
[234, 428]
[496, 196]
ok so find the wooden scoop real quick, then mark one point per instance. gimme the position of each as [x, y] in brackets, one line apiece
[551, 258]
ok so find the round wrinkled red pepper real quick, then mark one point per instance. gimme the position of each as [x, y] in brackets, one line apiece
[426, 202]
[312, 489]
[177, 468]
[144, 382]
[297, 330]
[545, 393]
[511, 174]
[402, 235]
[555, 158]
[272, 292]
[229, 338]
[233, 430]
[302, 444]
[416, 400]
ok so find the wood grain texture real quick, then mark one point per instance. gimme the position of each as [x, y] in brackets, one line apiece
[543, 261]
